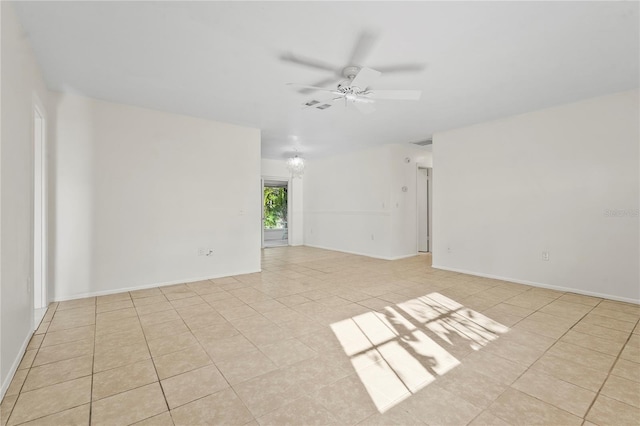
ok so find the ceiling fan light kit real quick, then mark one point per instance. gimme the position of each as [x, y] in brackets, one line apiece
[357, 90]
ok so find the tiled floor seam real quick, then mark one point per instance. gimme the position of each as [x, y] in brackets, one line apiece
[212, 362]
[243, 404]
[50, 414]
[563, 322]
[609, 372]
[146, 342]
[29, 370]
[556, 340]
[93, 361]
[529, 367]
[597, 394]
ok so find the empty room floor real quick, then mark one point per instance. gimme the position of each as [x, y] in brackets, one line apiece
[322, 337]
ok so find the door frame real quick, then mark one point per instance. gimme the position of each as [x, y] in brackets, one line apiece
[429, 207]
[39, 211]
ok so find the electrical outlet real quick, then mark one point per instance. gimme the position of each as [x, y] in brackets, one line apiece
[545, 256]
[201, 251]
[372, 237]
[449, 250]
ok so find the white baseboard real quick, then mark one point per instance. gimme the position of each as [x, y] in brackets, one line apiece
[362, 254]
[541, 285]
[357, 253]
[147, 286]
[15, 365]
[404, 256]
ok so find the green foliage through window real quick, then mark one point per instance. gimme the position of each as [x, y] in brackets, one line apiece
[275, 208]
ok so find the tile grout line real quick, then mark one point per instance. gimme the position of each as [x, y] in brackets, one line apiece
[559, 338]
[29, 369]
[213, 362]
[114, 368]
[610, 370]
[260, 286]
[21, 387]
[93, 360]
[150, 357]
[537, 359]
[527, 369]
[209, 356]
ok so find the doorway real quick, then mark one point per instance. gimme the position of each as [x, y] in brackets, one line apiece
[423, 197]
[275, 213]
[39, 217]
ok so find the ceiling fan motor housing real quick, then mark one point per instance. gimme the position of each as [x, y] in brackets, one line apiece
[345, 86]
[350, 72]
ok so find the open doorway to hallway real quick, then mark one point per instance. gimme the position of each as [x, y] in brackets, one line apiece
[275, 216]
[423, 197]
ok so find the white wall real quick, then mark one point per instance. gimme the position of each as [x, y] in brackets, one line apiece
[20, 84]
[354, 202]
[139, 191]
[507, 190]
[278, 169]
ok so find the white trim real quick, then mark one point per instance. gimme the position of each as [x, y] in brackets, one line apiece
[147, 286]
[261, 214]
[277, 178]
[351, 212]
[541, 285]
[15, 365]
[361, 254]
[404, 256]
[429, 219]
[43, 291]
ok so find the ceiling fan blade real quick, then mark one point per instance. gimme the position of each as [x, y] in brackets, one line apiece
[304, 86]
[364, 44]
[402, 68]
[320, 83]
[364, 107]
[365, 77]
[308, 62]
[400, 95]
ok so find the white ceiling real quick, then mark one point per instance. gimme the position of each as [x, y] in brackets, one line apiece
[221, 60]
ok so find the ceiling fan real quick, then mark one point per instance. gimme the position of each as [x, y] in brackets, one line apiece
[364, 44]
[356, 89]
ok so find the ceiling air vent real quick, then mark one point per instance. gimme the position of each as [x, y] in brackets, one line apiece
[324, 106]
[312, 103]
[424, 143]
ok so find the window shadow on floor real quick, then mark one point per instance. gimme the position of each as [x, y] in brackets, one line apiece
[400, 349]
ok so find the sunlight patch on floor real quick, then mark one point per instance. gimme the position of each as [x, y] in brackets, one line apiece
[391, 350]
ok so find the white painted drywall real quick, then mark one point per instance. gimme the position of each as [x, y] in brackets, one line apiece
[278, 169]
[346, 203]
[355, 203]
[21, 84]
[139, 191]
[507, 190]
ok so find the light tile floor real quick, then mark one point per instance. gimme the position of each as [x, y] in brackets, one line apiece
[321, 337]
